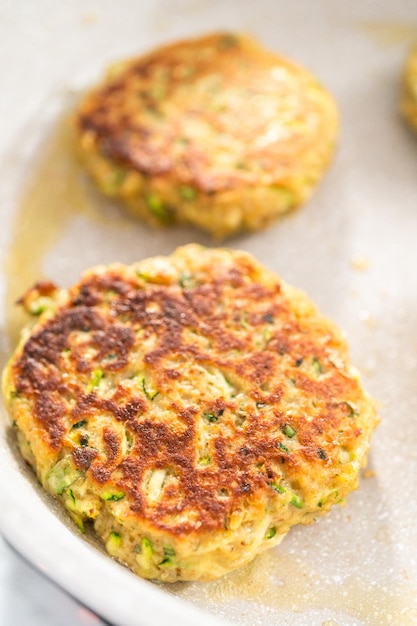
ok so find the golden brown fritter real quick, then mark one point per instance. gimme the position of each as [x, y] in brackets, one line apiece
[216, 131]
[193, 407]
[408, 102]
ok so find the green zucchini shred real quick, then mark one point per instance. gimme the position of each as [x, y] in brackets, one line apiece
[149, 395]
[186, 281]
[289, 431]
[157, 207]
[210, 417]
[112, 496]
[79, 424]
[36, 308]
[278, 488]
[188, 193]
[271, 532]
[267, 334]
[84, 439]
[95, 379]
[297, 501]
[62, 475]
[317, 366]
[352, 408]
[147, 548]
[113, 542]
[78, 520]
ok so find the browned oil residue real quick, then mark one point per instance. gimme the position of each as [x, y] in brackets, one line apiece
[281, 583]
[53, 193]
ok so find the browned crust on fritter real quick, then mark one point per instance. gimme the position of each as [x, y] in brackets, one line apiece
[177, 112]
[251, 331]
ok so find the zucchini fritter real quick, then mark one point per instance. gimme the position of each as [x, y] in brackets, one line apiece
[192, 408]
[217, 132]
[408, 102]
